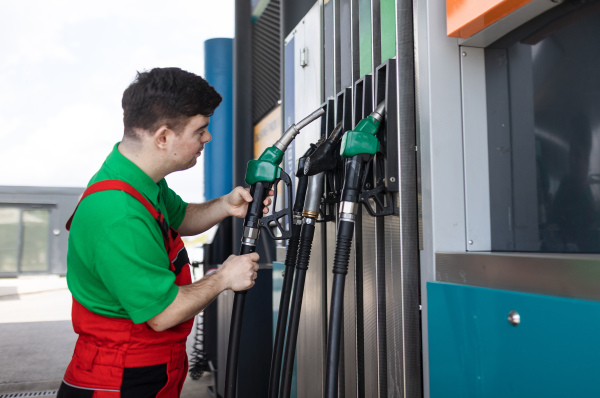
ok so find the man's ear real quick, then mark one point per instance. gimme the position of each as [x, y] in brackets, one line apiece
[161, 136]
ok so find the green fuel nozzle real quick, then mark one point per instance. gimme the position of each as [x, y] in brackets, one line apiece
[266, 167]
[363, 140]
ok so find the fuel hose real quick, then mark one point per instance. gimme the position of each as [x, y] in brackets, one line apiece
[315, 190]
[323, 159]
[261, 174]
[358, 147]
[288, 276]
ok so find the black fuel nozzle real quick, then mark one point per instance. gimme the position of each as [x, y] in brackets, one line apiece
[301, 170]
[325, 157]
[303, 178]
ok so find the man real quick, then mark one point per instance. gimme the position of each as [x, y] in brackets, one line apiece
[133, 301]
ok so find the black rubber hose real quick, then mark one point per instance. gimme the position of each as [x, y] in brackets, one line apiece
[300, 195]
[336, 313]
[282, 317]
[308, 233]
[288, 278]
[259, 192]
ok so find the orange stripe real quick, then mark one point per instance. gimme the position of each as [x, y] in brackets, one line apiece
[466, 17]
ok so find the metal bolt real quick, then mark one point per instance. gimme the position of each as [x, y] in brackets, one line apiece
[470, 242]
[514, 318]
[464, 54]
[392, 179]
[368, 185]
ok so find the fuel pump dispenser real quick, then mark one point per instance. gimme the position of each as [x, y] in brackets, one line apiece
[358, 147]
[261, 174]
[322, 159]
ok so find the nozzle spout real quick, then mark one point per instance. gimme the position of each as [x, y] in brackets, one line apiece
[310, 118]
[379, 112]
[294, 129]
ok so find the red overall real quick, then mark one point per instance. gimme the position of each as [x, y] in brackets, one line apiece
[116, 358]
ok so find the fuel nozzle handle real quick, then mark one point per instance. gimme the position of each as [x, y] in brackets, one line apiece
[363, 139]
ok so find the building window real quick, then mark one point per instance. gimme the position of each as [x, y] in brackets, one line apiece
[24, 239]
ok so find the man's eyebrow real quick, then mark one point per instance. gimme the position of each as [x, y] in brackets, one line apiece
[202, 127]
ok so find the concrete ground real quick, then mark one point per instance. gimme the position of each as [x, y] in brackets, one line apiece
[37, 339]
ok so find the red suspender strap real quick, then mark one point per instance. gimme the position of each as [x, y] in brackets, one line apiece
[118, 185]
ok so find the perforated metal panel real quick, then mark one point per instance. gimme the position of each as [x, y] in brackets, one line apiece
[369, 252]
[312, 331]
[266, 61]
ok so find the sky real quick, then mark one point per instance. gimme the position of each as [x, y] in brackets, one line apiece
[63, 67]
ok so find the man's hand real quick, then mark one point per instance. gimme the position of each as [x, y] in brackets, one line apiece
[201, 216]
[238, 199]
[239, 272]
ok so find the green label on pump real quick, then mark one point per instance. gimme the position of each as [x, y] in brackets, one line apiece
[361, 140]
[388, 29]
[266, 167]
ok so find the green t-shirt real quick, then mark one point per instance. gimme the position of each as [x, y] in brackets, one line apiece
[117, 264]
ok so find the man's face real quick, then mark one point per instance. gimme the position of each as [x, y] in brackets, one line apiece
[188, 144]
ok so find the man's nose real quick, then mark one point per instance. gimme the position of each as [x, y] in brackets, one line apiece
[208, 137]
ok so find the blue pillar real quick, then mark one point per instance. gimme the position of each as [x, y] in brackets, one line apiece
[218, 161]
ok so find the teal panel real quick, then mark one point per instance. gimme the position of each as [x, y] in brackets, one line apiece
[278, 268]
[475, 352]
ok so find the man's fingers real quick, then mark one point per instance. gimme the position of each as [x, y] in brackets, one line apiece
[254, 257]
[245, 193]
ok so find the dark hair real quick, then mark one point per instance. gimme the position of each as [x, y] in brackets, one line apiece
[166, 96]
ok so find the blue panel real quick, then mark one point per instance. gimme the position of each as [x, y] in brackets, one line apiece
[475, 352]
[278, 268]
[218, 175]
[289, 104]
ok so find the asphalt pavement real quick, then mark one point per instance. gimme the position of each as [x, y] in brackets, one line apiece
[37, 339]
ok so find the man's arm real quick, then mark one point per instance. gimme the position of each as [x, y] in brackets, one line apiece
[199, 217]
[237, 273]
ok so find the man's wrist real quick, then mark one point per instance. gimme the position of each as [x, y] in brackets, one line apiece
[220, 280]
[226, 205]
